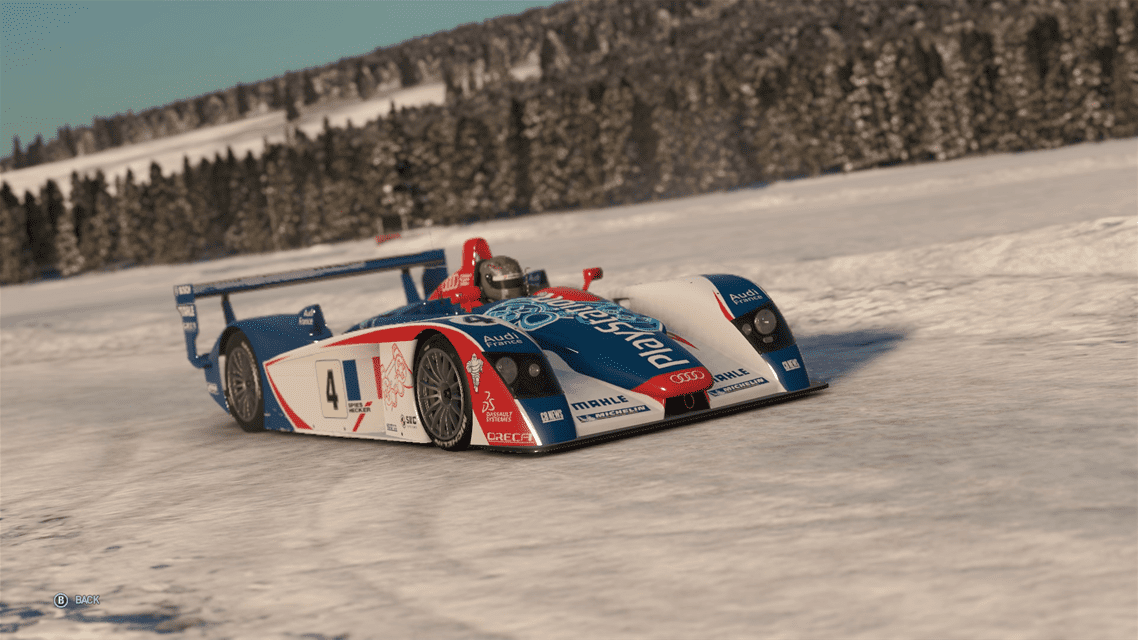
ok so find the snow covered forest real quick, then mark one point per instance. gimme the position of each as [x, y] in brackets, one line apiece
[635, 101]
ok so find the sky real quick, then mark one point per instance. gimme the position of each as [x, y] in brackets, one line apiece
[67, 62]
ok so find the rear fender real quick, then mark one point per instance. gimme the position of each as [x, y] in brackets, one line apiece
[269, 336]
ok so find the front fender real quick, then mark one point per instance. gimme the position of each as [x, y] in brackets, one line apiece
[711, 311]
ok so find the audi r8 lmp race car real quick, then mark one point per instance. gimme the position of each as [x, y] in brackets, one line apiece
[494, 357]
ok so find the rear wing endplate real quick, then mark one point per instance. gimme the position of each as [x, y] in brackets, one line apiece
[186, 295]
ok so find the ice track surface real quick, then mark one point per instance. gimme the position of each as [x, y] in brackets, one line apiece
[971, 473]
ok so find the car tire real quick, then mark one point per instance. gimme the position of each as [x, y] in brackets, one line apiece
[244, 391]
[442, 395]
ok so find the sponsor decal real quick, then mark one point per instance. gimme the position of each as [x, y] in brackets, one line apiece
[791, 365]
[474, 368]
[212, 388]
[502, 340]
[612, 413]
[746, 384]
[552, 416]
[392, 428]
[189, 327]
[600, 402]
[606, 317]
[494, 437]
[750, 295]
[456, 280]
[491, 414]
[409, 420]
[687, 376]
[731, 375]
[187, 310]
[396, 378]
[185, 289]
[306, 317]
[305, 321]
[362, 409]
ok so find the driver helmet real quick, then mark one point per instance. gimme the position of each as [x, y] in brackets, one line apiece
[501, 278]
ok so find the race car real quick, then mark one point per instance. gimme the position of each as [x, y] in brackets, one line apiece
[492, 356]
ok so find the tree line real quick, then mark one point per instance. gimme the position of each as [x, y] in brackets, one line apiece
[650, 100]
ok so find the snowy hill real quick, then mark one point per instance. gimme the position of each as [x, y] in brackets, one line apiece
[243, 136]
[971, 472]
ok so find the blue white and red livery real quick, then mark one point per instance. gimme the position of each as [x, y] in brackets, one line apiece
[494, 357]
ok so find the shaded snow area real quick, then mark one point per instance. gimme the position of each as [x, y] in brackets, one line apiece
[250, 134]
[972, 472]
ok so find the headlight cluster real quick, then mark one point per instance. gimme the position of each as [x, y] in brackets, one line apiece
[765, 329]
[525, 374]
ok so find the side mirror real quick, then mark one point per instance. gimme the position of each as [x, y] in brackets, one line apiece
[595, 273]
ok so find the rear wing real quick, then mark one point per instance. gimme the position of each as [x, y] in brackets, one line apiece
[186, 295]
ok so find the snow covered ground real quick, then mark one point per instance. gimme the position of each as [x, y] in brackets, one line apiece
[972, 471]
[243, 136]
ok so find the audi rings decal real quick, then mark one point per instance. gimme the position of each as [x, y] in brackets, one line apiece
[687, 376]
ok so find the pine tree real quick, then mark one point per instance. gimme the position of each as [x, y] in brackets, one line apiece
[615, 115]
[67, 138]
[168, 227]
[219, 202]
[277, 188]
[291, 112]
[474, 167]
[34, 155]
[365, 82]
[99, 227]
[242, 100]
[312, 211]
[82, 203]
[310, 94]
[51, 208]
[434, 165]
[69, 260]
[251, 231]
[15, 247]
[128, 214]
[18, 159]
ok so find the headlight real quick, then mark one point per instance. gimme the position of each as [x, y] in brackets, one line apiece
[766, 322]
[534, 370]
[508, 369]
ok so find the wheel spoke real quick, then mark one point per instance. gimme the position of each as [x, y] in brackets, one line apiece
[441, 394]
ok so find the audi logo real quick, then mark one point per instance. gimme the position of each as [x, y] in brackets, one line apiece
[687, 376]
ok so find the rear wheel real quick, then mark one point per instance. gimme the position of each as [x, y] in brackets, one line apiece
[442, 395]
[243, 390]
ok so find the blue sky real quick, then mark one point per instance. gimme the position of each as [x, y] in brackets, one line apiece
[65, 62]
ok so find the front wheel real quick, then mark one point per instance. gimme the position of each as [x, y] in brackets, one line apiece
[243, 390]
[442, 395]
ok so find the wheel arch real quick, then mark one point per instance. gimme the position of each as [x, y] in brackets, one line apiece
[421, 339]
[226, 336]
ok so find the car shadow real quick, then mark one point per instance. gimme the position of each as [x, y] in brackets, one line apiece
[835, 355]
